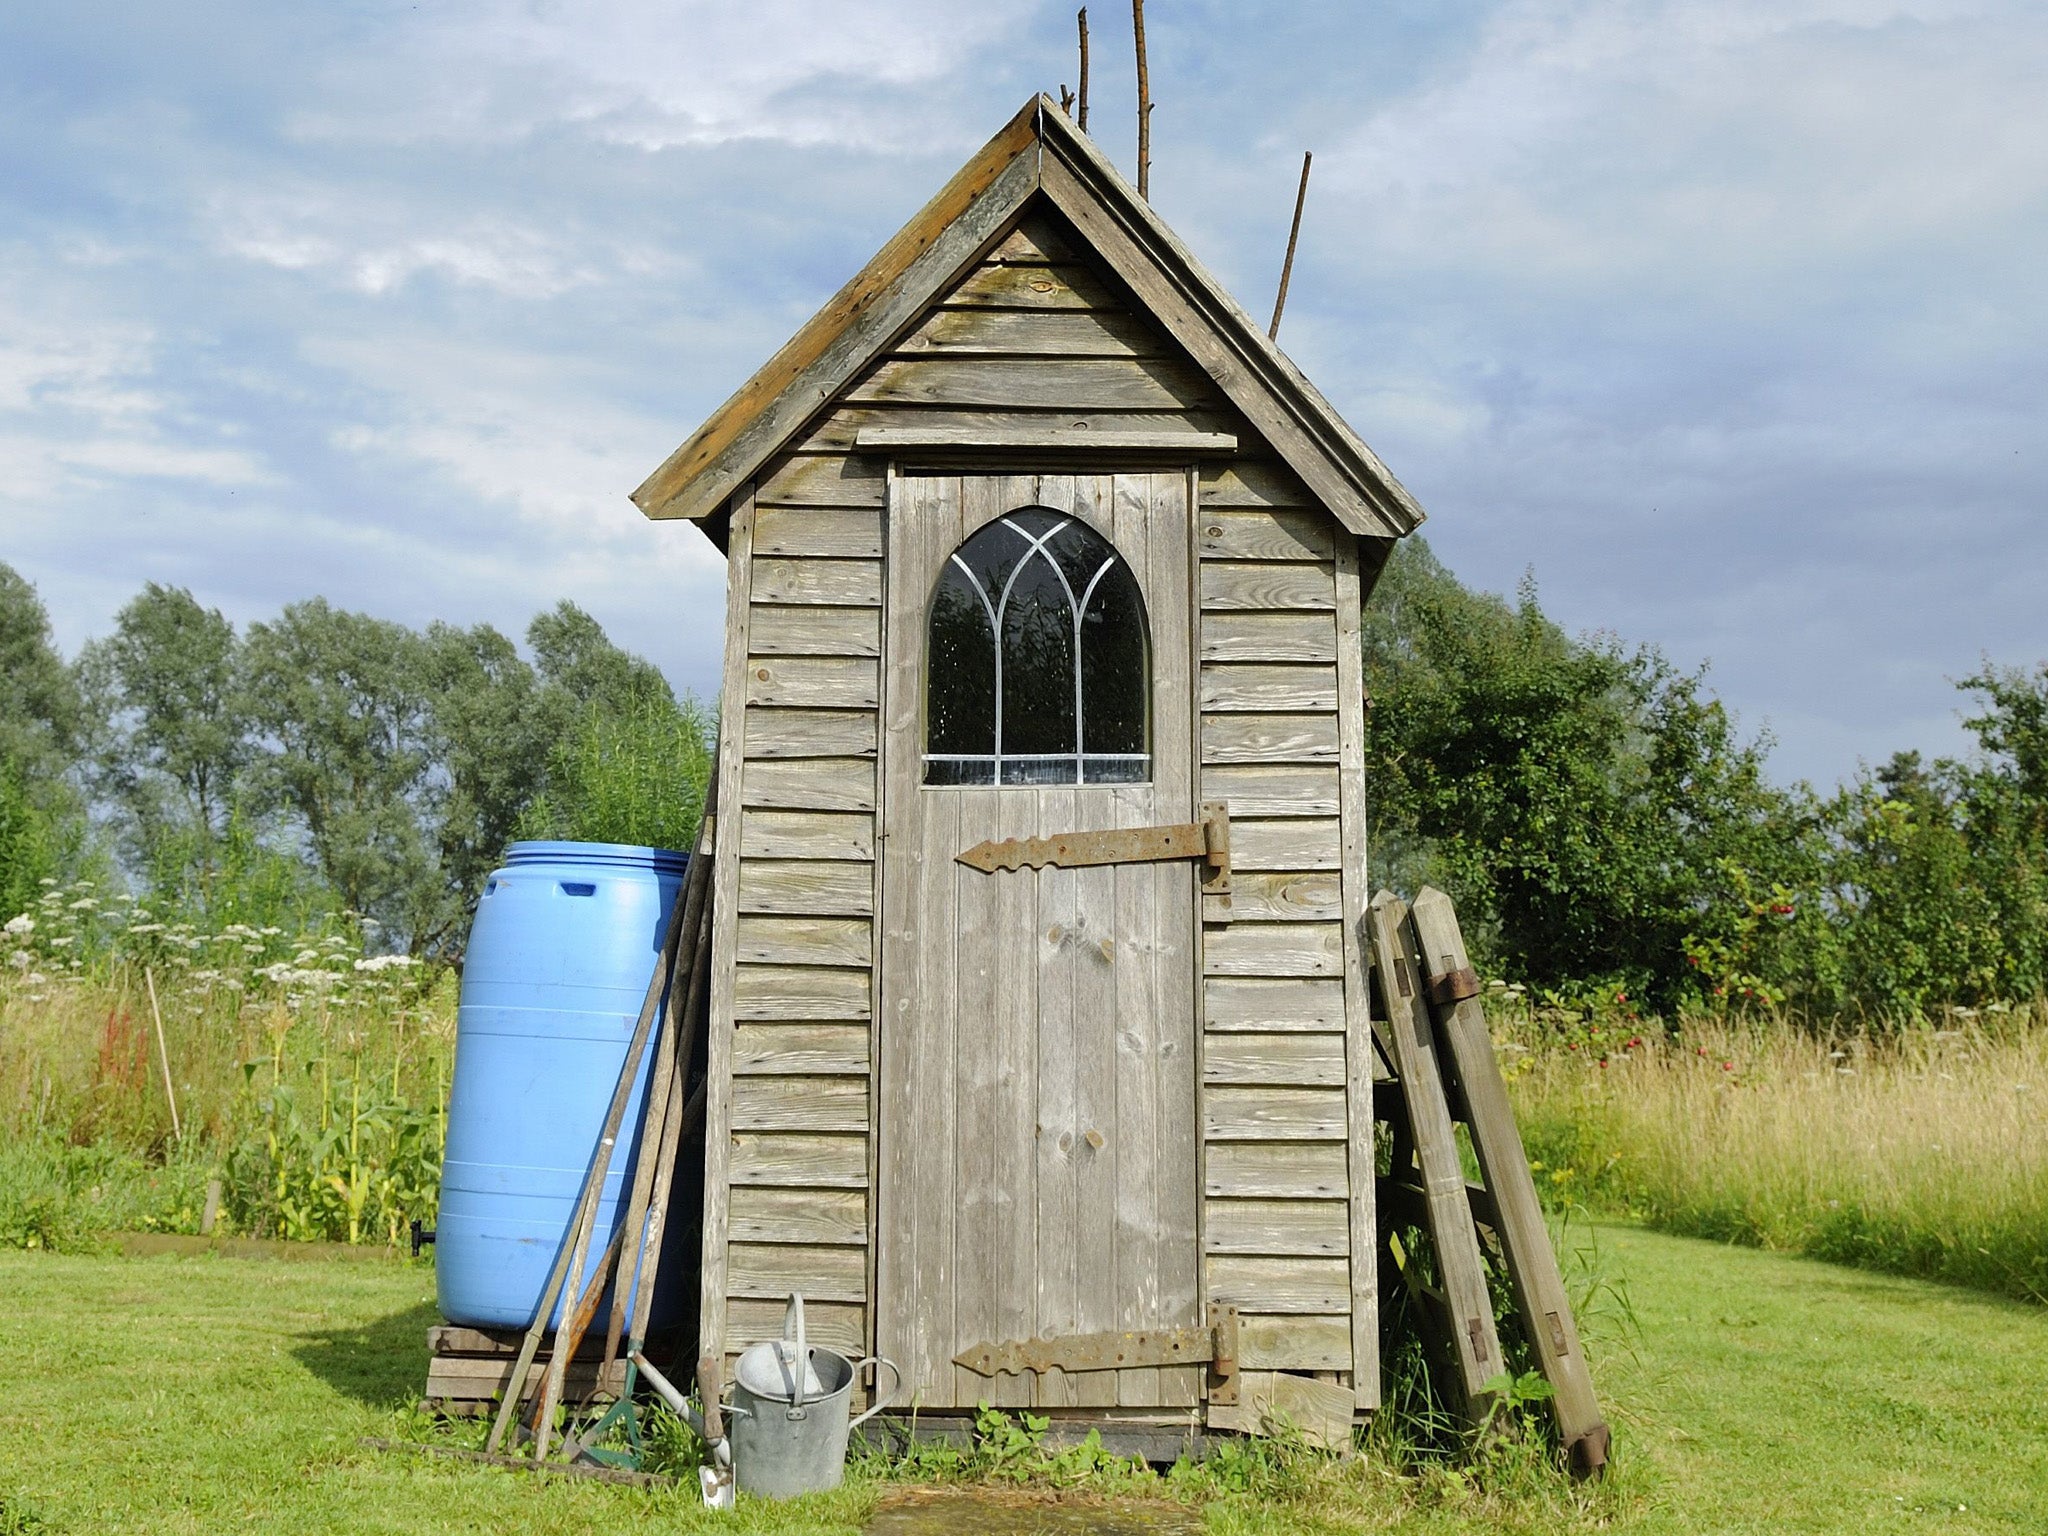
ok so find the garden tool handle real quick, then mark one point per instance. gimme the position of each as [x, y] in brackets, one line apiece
[882, 1399]
[709, 1388]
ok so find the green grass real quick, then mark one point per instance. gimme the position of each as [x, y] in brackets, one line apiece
[1764, 1393]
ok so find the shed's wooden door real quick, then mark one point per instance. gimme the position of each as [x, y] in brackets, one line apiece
[1036, 1029]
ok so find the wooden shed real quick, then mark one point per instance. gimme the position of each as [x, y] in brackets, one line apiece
[1033, 534]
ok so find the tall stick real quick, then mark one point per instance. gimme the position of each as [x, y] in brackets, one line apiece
[1294, 234]
[163, 1054]
[1144, 102]
[1081, 121]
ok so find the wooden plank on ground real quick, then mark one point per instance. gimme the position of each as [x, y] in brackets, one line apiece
[1540, 1295]
[1475, 1346]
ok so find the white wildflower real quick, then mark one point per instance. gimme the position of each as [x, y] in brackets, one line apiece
[145, 927]
[19, 960]
[62, 939]
[85, 904]
[21, 925]
[36, 979]
[305, 957]
[271, 933]
[384, 962]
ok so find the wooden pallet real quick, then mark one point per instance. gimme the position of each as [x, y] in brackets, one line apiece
[1434, 1035]
[469, 1369]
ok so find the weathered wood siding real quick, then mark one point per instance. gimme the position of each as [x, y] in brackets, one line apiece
[1286, 1117]
[1036, 337]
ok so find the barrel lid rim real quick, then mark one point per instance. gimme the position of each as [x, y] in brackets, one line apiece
[547, 850]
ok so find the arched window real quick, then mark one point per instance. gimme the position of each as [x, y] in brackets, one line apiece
[1036, 665]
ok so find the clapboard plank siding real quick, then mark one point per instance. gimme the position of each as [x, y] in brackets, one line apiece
[805, 941]
[1068, 384]
[1252, 636]
[1267, 584]
[827, 682]
[821, 480]
[1254, 483]
[842, 429]
[847, 532]
[828, 1217]
[800, 1049]
[1280, 1285]
[807, 886]
[1234, 1003]
[1277, 1060]
[779, 630]
[1072, 333]
[1293, 896]
[1034, 287]
[1304, 843]
[1267, 687]
[799, 992]
[1301, 1228]
[1301, 1170]
[842, 583]
[777, 1103]
[807, 835]
[810, 784]
[1273, 1114]
[1275, 949]
[1261, 789]
[1269, 738]
[1293, 1343]
[1290, 535]
[836, 1325]
[810, 733]
[810, 1161]
[771, 1271]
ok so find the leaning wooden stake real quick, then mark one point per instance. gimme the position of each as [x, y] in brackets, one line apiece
[1293, 236]
[1474, 1344]
[1081, 104]
[1524, 1239]
[1144, 102]
[163, 1054]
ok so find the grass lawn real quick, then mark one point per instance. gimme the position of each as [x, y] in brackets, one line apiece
[1764, 1394]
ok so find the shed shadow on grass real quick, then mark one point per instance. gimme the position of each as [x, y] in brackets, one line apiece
[382, 1362]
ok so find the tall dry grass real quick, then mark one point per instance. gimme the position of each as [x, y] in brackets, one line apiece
[1924, 1154]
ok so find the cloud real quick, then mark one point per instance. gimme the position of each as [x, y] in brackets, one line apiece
[659, 76]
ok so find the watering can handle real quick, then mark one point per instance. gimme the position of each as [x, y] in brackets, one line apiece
[794, 1317]
[882, 1400]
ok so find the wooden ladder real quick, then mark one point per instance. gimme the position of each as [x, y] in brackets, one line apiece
[1434, 1037]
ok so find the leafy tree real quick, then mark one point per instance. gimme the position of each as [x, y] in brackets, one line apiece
[41, 720]
[342, 704]
[174, 723]
[1592, 808]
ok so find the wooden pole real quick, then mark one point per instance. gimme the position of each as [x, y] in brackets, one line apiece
[1144, 103]
[163, 1053]
[1293, 235]
[1081, 121]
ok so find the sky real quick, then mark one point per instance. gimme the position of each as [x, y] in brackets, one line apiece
[1724, 322]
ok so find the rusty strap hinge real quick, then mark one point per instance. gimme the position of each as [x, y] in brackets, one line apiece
[1207, 840]
[1454, 987]
[1214, 1344]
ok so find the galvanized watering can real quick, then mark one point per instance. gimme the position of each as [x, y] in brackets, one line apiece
[790, 1406]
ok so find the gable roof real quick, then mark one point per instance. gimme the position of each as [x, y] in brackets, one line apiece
[1037, 154]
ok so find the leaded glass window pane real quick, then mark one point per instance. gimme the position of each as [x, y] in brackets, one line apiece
[1037, 671]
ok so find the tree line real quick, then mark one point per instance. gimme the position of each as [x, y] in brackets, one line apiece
[1603, 824]
[326, 762]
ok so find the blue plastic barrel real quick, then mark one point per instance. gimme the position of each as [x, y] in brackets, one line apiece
[566, 939]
